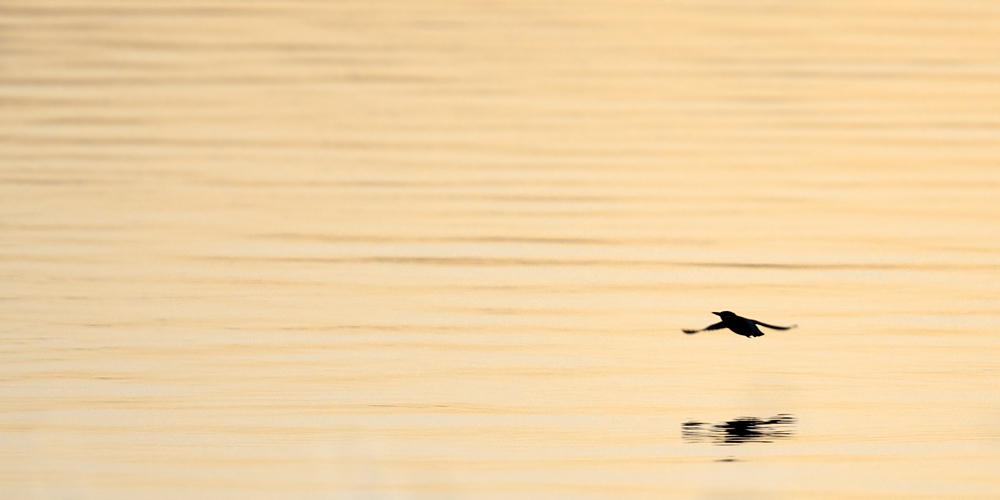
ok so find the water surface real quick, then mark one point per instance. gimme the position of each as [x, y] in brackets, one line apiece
[445, 249]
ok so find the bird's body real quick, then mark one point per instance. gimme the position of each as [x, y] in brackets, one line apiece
[739, 325]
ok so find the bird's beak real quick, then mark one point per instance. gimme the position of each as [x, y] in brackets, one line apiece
[717, 314]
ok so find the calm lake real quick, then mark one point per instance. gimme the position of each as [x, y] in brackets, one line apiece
[445, 249]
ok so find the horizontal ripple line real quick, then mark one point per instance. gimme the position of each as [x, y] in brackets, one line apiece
[485, 239]
[528, 262]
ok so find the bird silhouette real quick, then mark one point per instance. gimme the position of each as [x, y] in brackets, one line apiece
[739, 325]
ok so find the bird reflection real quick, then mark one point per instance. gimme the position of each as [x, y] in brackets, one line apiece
[740, 430]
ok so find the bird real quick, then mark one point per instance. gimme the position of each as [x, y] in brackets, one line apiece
[739, 325]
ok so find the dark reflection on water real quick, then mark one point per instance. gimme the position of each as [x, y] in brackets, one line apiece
[740, 430]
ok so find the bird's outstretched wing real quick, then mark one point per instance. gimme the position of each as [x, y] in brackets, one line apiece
[709, 327]
[774, 327]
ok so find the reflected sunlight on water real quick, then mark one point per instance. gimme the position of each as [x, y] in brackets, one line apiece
[446, 249]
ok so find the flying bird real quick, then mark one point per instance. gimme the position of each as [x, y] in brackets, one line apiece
[739, 325]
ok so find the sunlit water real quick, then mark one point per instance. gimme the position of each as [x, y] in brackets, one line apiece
[446, 249]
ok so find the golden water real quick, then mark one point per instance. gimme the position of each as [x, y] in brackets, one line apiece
[435, 249]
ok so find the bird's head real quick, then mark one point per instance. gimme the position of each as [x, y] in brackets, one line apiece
[724, 314]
